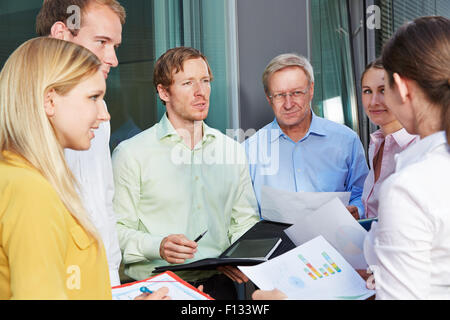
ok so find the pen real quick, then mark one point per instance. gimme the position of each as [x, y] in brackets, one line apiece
[200, 236]
[146, 290]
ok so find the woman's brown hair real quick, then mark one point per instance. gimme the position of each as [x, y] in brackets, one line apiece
[376, 64]
[420, 50]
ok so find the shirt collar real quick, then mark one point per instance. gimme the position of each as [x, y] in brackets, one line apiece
[165, 129]
[417, 151]
[401, 137]
[17, 160]
[377, 135]
[316, 127]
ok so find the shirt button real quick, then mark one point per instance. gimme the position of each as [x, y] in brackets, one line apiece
[196, 178]
[298, 170]
[199, 207]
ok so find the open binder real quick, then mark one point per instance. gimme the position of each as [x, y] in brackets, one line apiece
[263, 230]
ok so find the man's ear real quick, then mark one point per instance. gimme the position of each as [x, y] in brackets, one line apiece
[60, 31]
[403, 86]
[49, 103]
[163, 93]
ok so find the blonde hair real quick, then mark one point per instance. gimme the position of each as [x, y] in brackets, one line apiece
[35, 68]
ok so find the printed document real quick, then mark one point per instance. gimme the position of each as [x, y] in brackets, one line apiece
[338, 227]
[288, 207]
[312, 271]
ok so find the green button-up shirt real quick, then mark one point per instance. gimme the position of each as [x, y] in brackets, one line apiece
[163, 187]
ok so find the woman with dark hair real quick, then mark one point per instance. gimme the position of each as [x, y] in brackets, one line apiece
[411, 242]
[386, 142]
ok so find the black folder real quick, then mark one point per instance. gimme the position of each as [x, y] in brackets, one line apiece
[262, 230]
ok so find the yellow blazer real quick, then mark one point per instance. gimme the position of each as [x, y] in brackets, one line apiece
[44, 252]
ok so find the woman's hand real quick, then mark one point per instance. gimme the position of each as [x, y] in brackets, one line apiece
[160, 294]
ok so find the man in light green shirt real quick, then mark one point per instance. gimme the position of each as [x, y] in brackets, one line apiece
[180, 178]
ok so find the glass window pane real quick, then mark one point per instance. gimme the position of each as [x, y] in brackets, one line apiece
[334, 97]
[394, 13]
[407, 10]
[17, 24]
[130, 97]
[203, 25]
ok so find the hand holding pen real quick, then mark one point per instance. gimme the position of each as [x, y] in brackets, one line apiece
[160, 294]
[176, 249]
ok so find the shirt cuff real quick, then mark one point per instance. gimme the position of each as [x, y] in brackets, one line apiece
[150, 246]
[362, 214]
[114, 277]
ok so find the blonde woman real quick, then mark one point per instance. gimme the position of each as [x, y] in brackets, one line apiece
[51, 98]
[386, 142]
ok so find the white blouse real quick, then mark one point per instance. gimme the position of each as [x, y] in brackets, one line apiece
[409, 248]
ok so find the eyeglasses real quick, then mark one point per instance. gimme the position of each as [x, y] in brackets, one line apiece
[297, 95]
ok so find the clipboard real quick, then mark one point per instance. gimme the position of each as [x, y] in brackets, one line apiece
[178, 288]
[262, 230]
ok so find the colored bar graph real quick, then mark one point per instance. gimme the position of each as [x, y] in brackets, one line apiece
[334, 265]
[310, 266]
[310, 274]
[324, 272]
[329, 269]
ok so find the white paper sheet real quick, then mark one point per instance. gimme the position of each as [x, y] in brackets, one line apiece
[313, 271]
[177, 289]
[337, 226]
[288, 207]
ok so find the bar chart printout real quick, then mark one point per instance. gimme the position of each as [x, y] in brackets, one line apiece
[320, 272]
[314, 270]
[334, 265]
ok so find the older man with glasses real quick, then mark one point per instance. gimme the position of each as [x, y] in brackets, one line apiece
[300, 151]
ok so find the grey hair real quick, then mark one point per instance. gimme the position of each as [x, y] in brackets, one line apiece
[284, 61]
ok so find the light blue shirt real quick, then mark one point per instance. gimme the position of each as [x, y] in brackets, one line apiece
[330, 158]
